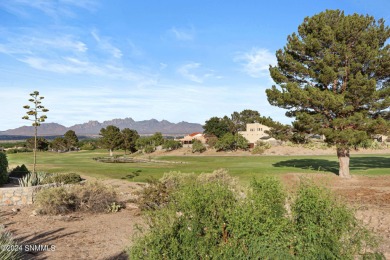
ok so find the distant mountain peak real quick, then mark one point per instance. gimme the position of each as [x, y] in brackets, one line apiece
[93, 127]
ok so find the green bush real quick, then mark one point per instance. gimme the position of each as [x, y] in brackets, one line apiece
[260, 147]
[198, 147]
[88, 146]
[64, 178]
[230, 142]
[19, 150]
[209, 220]
[325, 227]
[91, 197]
[171, 145]
[3, 168]
[19, 171]
[10, 250]
[149, 149]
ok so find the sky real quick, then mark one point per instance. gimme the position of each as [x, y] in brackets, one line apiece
[167, 60]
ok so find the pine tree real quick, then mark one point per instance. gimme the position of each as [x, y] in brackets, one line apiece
[334, 78]
[111, 138]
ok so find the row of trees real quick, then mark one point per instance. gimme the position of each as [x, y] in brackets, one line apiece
[112, 138]
[68, 142]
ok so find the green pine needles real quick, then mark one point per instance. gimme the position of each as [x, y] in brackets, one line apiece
[333, 77]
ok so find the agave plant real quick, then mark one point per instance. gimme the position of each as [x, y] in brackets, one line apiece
[9, 248]
[32, 179]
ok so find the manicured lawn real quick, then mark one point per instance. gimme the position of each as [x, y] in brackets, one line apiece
[244, 167]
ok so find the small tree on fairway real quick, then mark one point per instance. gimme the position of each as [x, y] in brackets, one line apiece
[111, 138]
[34, 115]
[71, 139]
[59, 144]
[130, 138]
[42, 143]
[334, 78]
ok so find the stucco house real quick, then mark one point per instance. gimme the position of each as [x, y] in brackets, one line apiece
[254, 132]
[197, 135]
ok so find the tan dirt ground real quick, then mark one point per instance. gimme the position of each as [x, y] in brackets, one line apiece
[106, 236]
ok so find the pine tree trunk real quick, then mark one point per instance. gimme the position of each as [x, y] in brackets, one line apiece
[343, 155]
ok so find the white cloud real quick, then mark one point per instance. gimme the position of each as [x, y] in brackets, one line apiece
[71, 65]
[256, 62]
[194, 72]
[134, 50]
[21, 43]
[186, 72]
[163, 66]
[104, 44]
[183, 34]
[54, 9]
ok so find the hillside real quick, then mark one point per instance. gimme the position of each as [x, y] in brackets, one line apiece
[93, 127]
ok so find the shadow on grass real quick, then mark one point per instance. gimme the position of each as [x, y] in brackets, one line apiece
[356, 163]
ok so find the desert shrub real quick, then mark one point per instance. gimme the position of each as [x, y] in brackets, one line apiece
[258, 226]
[198, 147]
[64, 178]
[221, 176]
[181, 230]
[19, 171]
[10, 250]
[176, 178]
[207, 220]
[3, 168]
[260, 147]
[171, 145]
[325, 228]
[211, 141]
[91, 197]
[56, 200]
[158, 193]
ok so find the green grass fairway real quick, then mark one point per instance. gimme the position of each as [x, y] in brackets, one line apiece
[244, 167]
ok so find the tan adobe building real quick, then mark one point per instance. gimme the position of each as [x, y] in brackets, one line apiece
[254, 132]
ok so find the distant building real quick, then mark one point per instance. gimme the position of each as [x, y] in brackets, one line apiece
[189, 138]
[254, 132]
[381, 138]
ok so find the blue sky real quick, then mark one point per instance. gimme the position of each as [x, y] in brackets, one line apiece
[172, 60]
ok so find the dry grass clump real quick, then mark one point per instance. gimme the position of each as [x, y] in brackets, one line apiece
[94, 197]
[90, 197]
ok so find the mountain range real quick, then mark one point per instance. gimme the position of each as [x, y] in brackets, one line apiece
[93, 128]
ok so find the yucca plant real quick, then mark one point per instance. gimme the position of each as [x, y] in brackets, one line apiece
[10, 250]
[32, 179]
